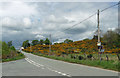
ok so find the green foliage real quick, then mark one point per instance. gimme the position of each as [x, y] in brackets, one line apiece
[0, 48]
[13, 48]
[5, 49]
[85, 39]
[56, 43]
[68, 41]
[89, 56]
[111, 39]
[26, 44]
[35, 42]
[19, 56]
[9, 53]
[10, 43]
[47, 41]
[41, 42]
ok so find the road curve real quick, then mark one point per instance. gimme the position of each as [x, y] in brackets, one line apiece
[34, 65]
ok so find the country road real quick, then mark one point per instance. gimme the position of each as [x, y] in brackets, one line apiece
[34, 65]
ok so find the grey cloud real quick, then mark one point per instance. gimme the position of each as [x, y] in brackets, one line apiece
[56, 17]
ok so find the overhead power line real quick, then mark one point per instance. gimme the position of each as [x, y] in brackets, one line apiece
[81, 21]
[91, 16]
[110, 7]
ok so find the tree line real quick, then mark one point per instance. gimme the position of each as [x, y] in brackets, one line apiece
[26, 43]
[110, 39]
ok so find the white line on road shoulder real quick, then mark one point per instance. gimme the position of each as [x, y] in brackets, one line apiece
[79, 64]
[40, 65]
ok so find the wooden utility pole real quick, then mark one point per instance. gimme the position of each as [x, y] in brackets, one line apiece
[30, 45]
[98, 28]
[99, 43]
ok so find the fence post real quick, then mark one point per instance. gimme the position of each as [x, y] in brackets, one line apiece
[118, 56]
[107, 57]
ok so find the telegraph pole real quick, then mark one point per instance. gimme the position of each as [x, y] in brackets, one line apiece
[98, 28]
[99, 43]
[50, 45]
[30, 45]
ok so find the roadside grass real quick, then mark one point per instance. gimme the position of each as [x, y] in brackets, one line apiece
[19, 56]
[111, 64]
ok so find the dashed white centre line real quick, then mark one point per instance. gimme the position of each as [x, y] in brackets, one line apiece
[43, 67]
[34, 63]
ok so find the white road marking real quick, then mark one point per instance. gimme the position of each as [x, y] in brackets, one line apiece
[40, 65]
[78, 64]
[34, 63]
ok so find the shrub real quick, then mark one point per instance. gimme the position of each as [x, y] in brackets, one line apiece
[80, 57]
[12, 48]
[89, 56]
[71, 56]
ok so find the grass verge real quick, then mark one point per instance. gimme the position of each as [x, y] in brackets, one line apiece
[111, 65]
[19, 56]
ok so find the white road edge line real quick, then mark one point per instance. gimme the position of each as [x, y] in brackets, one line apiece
[80, 65]
[39, 65]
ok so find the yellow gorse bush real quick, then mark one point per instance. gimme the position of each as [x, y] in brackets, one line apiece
[88, 47]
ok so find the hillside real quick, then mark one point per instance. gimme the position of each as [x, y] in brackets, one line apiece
[81, 52]
[77, 47]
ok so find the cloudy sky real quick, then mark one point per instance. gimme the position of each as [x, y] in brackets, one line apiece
[36, 20]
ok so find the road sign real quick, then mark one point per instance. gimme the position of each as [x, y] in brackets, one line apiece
[100, 47]
[99, 44]
[102, 50]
